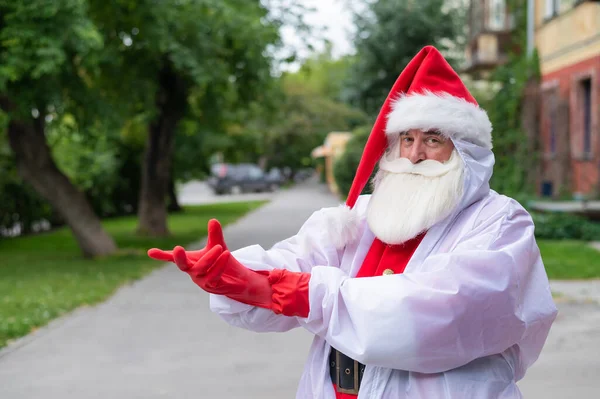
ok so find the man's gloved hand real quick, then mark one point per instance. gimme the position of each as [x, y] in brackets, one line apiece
[218, 272]
[215, 237]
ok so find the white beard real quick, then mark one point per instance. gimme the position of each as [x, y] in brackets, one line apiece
[410, 198]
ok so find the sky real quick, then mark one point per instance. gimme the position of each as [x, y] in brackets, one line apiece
[335, 17]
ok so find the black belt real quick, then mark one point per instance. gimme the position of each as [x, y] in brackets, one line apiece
[346, 373]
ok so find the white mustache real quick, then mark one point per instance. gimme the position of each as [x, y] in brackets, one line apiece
[427, 168]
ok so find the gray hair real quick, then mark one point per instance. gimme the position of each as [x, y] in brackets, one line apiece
[393, 142]
[393, 149]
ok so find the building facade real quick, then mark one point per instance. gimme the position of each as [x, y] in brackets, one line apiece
[567, 37]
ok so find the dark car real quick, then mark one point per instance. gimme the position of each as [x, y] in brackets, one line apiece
[240, 178]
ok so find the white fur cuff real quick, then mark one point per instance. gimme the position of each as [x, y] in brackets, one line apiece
[342, 224]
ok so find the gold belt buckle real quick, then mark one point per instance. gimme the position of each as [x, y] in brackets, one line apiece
[354, 390]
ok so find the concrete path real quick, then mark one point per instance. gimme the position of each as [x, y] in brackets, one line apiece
[157, 339]
[569, 366]
[584, 291]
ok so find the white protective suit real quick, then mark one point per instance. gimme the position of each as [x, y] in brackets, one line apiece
[466, 319]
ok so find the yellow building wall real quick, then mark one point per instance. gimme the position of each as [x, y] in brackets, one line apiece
[571, 37]
[332, 148]
[540, 9]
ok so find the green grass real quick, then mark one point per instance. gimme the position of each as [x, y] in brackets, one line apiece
[570, 259]
[44, 276]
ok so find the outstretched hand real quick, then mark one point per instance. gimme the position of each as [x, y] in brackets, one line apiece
[215, 237]
[218, 272]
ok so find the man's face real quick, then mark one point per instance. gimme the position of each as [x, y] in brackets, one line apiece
[419, 183]
[417, 146]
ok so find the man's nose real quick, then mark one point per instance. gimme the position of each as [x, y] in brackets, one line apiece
[417, 152]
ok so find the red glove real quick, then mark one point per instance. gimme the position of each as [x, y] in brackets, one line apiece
[218, 272]
[290, 292]
[215, 237]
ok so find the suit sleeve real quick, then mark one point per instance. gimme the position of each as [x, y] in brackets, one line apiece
[300, 253]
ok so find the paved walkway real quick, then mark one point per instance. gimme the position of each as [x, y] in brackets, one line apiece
[157, 339]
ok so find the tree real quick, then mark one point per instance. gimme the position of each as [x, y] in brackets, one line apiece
[323, 74]
[48, 58]
[174, 56]
[513, 111]
[389, 33]
[305, 118]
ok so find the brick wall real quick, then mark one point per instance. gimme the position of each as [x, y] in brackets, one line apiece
[572, 169]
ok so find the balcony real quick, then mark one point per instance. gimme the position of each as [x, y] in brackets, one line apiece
[486, 52]
[490, 26]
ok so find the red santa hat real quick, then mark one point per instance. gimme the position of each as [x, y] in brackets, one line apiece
[428, 95]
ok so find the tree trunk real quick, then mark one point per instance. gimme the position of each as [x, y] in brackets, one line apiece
[171, 101]
[173, 203]
[36, 167]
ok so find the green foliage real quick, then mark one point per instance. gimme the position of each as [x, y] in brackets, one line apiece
[344, 168]
[569, 259]
[511, 146]
[512, 149]
[388, 36]
[221, 53]
[101, 162]
[48, 52]
[20, 204]
[304, 120]
[90, 70]
[217, 48]
[63, 280]
[564, 226]
[323, 75]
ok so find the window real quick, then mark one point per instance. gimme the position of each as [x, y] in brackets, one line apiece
[552, 7]
[586, 91]
[497, 17]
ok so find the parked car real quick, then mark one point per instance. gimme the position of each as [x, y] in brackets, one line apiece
[240, 178]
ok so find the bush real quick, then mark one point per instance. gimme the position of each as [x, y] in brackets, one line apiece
[22, 207]
[563, 226]
[345, 166]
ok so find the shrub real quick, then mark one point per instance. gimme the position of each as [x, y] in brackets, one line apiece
[345, 166]
[563, 226]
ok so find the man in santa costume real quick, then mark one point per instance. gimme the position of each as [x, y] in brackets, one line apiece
[432, 287]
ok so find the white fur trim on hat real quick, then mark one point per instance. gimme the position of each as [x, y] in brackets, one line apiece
[342, 224]
[451, 116]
